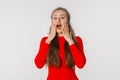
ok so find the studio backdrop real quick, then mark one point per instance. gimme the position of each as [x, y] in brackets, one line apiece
[24, 22]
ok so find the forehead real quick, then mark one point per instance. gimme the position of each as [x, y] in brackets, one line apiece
[59, 13]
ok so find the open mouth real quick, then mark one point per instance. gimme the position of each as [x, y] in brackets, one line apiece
[58, 26]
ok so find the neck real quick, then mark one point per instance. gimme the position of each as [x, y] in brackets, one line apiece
[60, 34]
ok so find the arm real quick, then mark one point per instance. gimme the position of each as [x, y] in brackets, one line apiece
[78, 53]
[42, 53]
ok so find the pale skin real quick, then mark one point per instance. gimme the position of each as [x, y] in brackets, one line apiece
[59, 25]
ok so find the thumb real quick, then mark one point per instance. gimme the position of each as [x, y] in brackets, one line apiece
[48, 33]
[71, 33]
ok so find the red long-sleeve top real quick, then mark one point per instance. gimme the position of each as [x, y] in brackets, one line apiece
[64, 72]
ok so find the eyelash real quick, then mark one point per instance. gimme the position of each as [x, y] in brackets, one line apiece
[56, 17]
[62, 17]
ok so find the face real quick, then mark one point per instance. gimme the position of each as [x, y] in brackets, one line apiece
[59, 18]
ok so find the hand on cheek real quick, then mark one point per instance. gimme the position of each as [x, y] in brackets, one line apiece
[52, 33]
[67, 35]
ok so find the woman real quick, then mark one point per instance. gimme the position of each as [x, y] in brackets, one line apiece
[61, 50]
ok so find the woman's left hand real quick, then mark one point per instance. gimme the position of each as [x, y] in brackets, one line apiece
[67, 35]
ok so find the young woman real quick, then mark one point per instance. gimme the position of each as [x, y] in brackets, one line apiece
[61, 50]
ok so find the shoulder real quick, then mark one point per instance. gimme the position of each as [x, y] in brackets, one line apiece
[78, 38]
[43, 38]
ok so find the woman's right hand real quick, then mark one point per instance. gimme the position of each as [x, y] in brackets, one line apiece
[52, 33]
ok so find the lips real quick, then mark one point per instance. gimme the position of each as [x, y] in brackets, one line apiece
[59, 26]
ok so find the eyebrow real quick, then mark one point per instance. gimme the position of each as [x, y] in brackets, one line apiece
[60, 15]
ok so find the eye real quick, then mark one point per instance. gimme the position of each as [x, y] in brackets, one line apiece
[62, 17]
[54, 18]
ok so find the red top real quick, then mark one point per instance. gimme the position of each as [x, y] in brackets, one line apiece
[64, 72]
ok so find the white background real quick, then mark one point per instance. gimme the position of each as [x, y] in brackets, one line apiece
[24, 22]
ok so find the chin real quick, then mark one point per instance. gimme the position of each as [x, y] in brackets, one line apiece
[59, 32]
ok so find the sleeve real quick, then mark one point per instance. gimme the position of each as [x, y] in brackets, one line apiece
[78, 53]
[42, 53]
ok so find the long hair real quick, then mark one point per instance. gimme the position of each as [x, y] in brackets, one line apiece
[53, 57]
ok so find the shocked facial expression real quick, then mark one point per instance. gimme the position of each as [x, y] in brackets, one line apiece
[59, 18]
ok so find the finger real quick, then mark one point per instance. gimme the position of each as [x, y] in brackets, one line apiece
[65, 25]
[63, 30]
[71, 33]
[55, 26]
[52, 24]
[62, 25]
[50, 28]
[48, 33]
[66, 28]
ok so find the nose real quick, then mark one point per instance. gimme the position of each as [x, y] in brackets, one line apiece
[58, 19]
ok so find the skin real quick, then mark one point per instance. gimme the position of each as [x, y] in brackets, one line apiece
[59, 25]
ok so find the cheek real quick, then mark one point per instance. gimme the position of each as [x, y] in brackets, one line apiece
[64, 21]
[62, 27]
[53, 21]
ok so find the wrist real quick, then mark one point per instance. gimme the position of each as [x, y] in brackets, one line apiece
[48, 41]
[70, 42]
